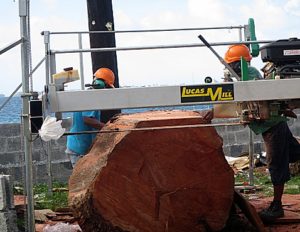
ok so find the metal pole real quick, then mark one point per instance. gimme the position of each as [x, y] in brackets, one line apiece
[20, 85]
[240, 34]
[148, 30]
[48, 80]
[12, 94]
[23, 13]
[251, 159]
[81, 61]
[110, 49]
[233, 73]
[10, 46]
[47, 55]
[49, 167]
[155, 128]
[52, 70]
[251, 145]
[52, 66]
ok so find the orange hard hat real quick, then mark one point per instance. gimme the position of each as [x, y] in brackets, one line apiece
[235, 52]
[106, 75]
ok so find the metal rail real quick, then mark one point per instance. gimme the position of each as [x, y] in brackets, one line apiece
[130, 98]
[20, 85]
[10, 46]
[155, 47]
[117, 130]
[51, 56]
[149, 30]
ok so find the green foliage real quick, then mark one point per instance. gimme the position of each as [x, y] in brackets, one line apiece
[21, 224]
[18, 190]
[262, 180]
[293, 186]
[44, 199]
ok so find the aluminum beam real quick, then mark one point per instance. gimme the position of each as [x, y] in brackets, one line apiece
[126, 98]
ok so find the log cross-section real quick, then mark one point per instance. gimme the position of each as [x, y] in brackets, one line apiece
[153, 180]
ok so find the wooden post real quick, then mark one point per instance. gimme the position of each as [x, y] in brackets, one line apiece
[100, 17]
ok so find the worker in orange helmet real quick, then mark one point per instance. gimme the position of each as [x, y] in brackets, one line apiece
[233, 58]
[105, 75]
[281, 146]
[79, 144]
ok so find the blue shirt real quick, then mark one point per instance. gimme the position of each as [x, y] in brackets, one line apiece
[81, 143]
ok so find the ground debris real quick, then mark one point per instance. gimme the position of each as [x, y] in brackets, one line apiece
[41, 215]
[62, 227]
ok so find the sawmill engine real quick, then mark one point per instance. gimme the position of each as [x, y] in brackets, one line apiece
[283, 59]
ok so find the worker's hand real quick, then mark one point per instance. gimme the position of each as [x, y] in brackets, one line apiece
[93, 122]
[208, 116]
[114, 117]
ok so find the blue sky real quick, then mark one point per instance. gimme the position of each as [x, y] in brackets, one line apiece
[274, 19]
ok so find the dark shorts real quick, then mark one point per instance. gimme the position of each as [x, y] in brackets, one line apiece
[281, 148]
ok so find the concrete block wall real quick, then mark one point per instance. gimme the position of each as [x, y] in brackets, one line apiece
[8, 216]
[235, 140]
[12, 159]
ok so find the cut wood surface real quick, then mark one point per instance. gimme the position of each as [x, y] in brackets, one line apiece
[229, 110]
[249, 211]
[289, 217]
[153, 180]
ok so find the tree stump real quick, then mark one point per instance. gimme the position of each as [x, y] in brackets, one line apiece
[147, 176]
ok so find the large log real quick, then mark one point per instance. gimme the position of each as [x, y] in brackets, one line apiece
[153, 180]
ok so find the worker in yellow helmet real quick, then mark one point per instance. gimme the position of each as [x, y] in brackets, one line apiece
[79, 144]
[281, 146]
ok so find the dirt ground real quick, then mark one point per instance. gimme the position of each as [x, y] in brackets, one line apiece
[290, 222]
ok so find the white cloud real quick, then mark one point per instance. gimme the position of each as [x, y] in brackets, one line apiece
[149, 67]
[161, 19]
[210, 12]
[269, 14]
[50, 3]
[122, 20]
[293, 7]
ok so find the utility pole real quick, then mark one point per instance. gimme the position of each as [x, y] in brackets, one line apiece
[100, 18]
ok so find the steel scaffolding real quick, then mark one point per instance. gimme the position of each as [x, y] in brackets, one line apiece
[50, 69]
